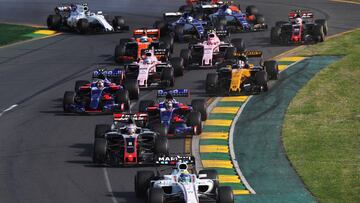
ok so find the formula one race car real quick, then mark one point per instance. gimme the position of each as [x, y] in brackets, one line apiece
[231, 18]
[212, 51]
[130, 50]
[172, 117]
[301, 29]
[124, 143]
[101, 95]
[237, 76]
[201, 9]
[183, 26]
[181, 185]
[78, 17]
[150, 72]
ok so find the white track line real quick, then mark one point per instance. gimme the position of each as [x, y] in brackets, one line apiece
[8, 109]
[108, 185]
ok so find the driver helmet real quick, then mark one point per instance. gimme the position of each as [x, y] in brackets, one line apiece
[184, 178]
[147, 60]
[298, 21]
[101, 74]
[144, 39]
[131, 129]
[100, 84]
[189, 19]
[168, 104]
[228, 11]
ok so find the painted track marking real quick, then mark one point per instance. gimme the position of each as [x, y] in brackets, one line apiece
[8, 109]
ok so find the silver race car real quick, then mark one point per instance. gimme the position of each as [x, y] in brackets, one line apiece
[181, 185]
[77, 17]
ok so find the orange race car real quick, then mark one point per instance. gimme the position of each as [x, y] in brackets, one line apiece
[130, 50]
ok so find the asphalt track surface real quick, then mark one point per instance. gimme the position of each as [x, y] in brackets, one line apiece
[45, 154]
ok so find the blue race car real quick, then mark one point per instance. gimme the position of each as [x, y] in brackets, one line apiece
[173, 118]
[183, 26]
[108, 92]
[233, 19]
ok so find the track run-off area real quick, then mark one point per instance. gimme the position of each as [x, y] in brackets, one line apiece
[46, 154]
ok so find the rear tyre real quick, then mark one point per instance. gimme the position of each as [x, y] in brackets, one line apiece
[280, 23]
[211, 83]
[101, 129]
[160, 129]
[185, 54]
[133, 88]
[275, 34]
[272, 69]
[80, 83]
[99, 153]
[259, 19]
[239, 44]
[323, 22]
[156, 195]
[142, 182]
[161, 146]
[118, 22]
[122, 98]
[178, 65]
[83, 26]
[194, 120]
[120, 50]
[54, 22]
[230, 52]
[144, 104]
[319, 33]
[179, 32]
[261, 79]
[68, 100]
[251, 10]
[199, 105]
[225, 195]
[167, 77]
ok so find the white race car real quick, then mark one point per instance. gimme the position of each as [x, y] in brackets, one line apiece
[79, 18]
[151, 72]
[181, 186]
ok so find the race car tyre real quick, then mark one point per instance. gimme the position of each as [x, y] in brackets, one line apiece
[54, 22]
[185, 54]
[211, 83]
[179, 32]
[156, 195]
[251, 10]
[160, 129]
[142, 182]
[199, 15]
[230, 52]
[272, 69]
[68, 100]
[225, 195]
[80, 83]
[167, 77]
[184, 8]
[161, 146]
[211, 174]
[280, 23]
[120, 50]
[239, 44]
[83, 26]
[118, 22]
[178, 65]
[323, 22]
[101, 129]
[144, 104]
[122, 97]
[124, 40]
[221, 22]
[169, 40]
[161, 25]
[275, 34]
[199, 105]
[259, 19]
[99, 151]
[261, 79]
[133, 88]
[319, 33]
[194, 120]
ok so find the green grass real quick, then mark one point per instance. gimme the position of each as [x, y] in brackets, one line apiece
[14, 33]
[321, 130]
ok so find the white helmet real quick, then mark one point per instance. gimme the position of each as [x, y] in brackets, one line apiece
[228, 11]
[147, 61]
[189, 19]
[100, 84]
[131, 129]
[298, 21]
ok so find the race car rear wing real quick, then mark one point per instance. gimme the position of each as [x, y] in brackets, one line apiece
[172, 16]
[173, 160]
[304, 14]
[152, 33]
[174, 93]
[127, 117]
[115, 73]
[249, 54]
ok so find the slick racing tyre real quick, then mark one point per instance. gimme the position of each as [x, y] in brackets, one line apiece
[179, 32]
[142, 182]
[156, 195]
[261, 79]
[83, 26]
[167, 77]
[230, 52]
[160, 129]
[251, 10]
[211, 174]
[122, 98]
[185, 54]
[323, 22]
[194, 120]
[178, 65]
[239, 44]
[272, 69]
[199, 105]
[133, 88]
[319, 33]
[101, 129]
[118, 22]
[211, 83]
[225, 195]
[120, 50]
[68, 100]
[80, 83]
[161, 146]
[275, 34]
[99, 151]
[259, 19]
[54, 22]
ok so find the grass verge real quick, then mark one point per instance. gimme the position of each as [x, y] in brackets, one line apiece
[14, 33]
[321, 130]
